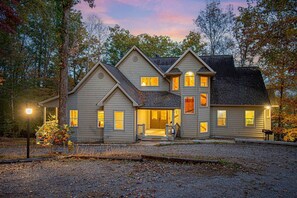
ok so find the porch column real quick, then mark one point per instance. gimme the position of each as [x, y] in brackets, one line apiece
[173, 117]
[44, 115]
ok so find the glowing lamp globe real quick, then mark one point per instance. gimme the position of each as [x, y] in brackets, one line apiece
[29, 111]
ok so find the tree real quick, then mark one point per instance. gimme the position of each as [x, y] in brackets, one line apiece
[193, 41]
[216, 27]
[9, 18]
[64, 7]
[271, 26]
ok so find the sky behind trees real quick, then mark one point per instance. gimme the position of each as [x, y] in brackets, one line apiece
[173, 18]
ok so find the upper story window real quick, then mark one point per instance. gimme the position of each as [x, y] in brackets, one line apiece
[149, 81]
[249, 118]
[189, 105]
[73, 118]
[175, 83]
[100, 119]
[189, 79]
[203, 100]
[221, 117]
[203, 81]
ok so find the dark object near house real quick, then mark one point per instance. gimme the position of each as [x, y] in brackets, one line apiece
[267, 133]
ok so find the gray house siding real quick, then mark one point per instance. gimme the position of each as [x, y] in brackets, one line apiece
[135, 66]
[119, 102]
[236, 123]
[190, 122]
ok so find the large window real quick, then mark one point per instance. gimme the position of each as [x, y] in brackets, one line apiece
[203, 81]
[73, 118]
[189, 105]
[189, 79]
[100, 118]
[149, 81]
[118, 120]
[203, 100]
[203, 127]
[175, 83]
[221, 117]
[249, 118]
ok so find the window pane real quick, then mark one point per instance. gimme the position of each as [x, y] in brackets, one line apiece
[203, 127]
[154, 81]
[203, 100]
[163, 115]
[249, 118]
[203, 81]
[149, 81]
[189, 105]
[175, 83]
[189, 79]
[100, 119]
[119, 120]
[73, 120]
[221, 117]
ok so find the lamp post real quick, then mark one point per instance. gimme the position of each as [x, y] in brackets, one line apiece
[29, 111]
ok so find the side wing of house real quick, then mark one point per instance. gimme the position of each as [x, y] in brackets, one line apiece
[83, 100]
[141, 72]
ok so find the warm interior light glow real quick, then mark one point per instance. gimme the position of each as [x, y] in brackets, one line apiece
[29, 111]
[267, 107]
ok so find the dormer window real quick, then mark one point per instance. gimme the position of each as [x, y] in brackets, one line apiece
[149, 81]
[175, 83]
[203, 81]
[189, 79]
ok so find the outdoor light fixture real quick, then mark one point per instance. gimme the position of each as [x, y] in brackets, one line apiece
[267, 107]
[28, 111]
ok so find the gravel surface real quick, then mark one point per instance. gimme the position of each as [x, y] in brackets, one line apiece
[247, 170]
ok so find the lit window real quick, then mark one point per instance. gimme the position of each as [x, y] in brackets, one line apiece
[221, 117]
[189, 105]
[175, 83]
[163, 115]
[189, 79]
[100, 119]
[73, 121]
[249, 118]
[203, 127]
[149, 81]
[203, 100]
[203, 81]
[119, 120]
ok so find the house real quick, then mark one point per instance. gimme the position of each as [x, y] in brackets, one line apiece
[141, 97]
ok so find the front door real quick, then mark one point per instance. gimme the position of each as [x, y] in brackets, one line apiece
[159, 119]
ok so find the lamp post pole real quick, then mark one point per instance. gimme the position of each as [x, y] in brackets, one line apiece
[29, 111]
[28, 136]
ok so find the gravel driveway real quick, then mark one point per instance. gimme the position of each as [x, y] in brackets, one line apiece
[255, 171]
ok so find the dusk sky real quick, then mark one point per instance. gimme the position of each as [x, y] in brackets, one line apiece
[173, 18]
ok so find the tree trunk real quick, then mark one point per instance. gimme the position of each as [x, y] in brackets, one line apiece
[63, 85]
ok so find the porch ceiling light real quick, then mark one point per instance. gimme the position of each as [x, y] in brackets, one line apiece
[267, 107]
[29, 111]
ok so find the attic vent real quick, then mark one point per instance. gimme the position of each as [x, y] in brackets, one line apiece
[135, 58]
[100, 75]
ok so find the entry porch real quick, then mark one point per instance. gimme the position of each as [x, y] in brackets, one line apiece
[159, 124]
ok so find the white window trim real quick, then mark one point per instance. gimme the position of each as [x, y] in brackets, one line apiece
[70, 118]
[207, 129]
[185, 105]
[200, 81]
[225, 118]
[150, 77]
[114, 128]
[206, 100]
[98, 119]
[173, 83]
[254, 119]
[185, 79]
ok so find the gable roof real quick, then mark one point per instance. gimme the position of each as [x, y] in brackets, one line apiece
[195, 55]
[160, 99]
[81, 82]
[143, 55]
